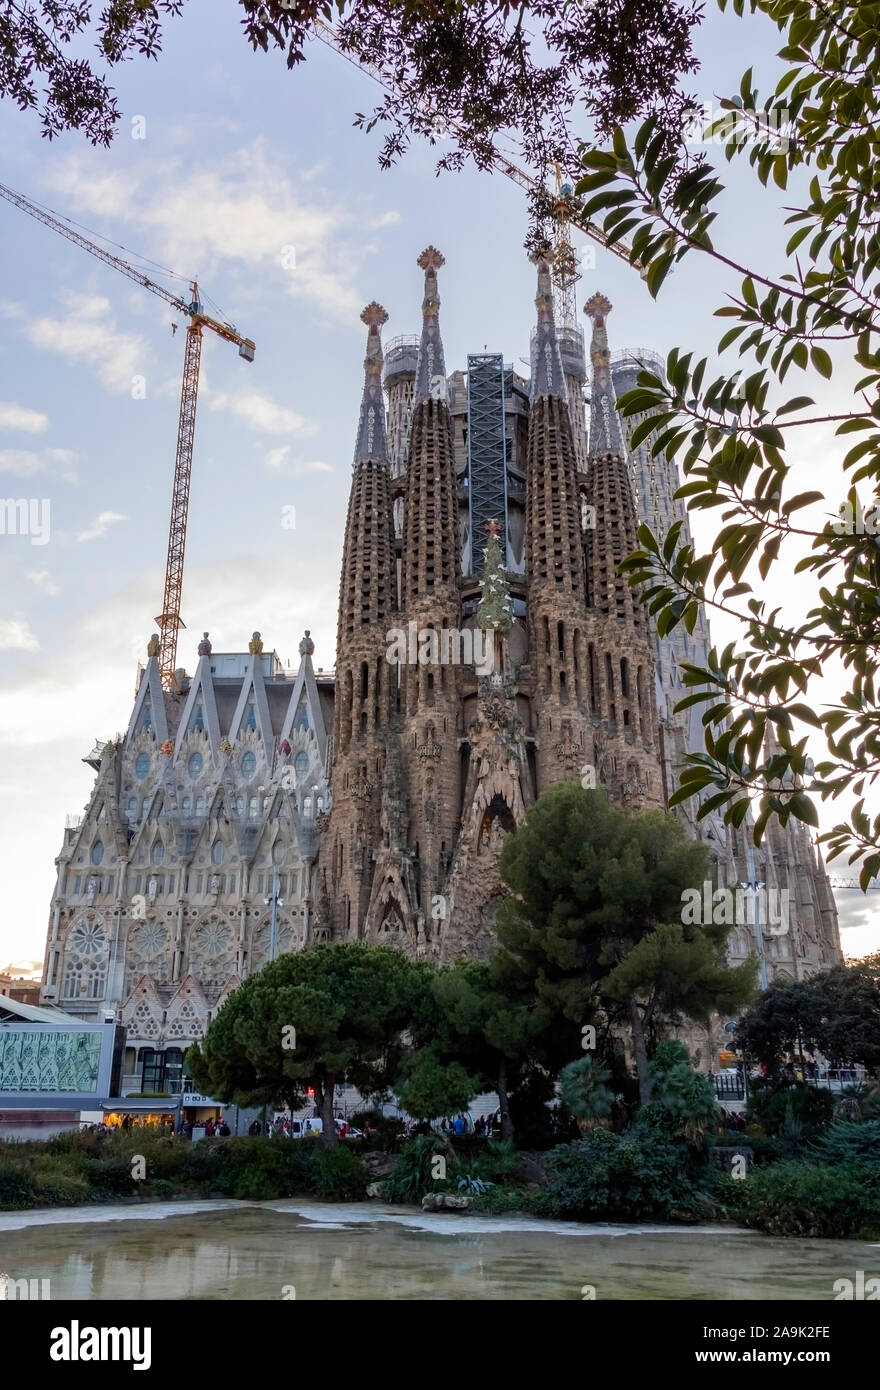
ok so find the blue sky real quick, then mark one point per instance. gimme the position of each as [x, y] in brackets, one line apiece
[241, 161]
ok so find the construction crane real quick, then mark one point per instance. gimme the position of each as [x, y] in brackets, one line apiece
[564, 209]
[169, 620]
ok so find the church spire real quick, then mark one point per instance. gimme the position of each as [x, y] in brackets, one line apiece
[431, 371]
[548, 378]
[371, 441]
[604, 425]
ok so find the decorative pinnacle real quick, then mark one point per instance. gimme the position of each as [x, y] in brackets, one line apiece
[374, 316]
[371, 443]
[431, 259]
[605, 436]
[430, 383]
[492, 527]
[597, 306]
[548, 378]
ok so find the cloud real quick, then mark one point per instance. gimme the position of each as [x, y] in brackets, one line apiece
[276, 459]
[256, 215]
[42, 580]
[18, 417]
[26, 462]
[16, 636]
[87, 333]
[100, 526]
[264, 414]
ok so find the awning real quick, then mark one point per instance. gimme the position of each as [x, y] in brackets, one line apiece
[140, 1107]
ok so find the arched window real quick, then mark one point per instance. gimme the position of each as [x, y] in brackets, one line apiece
[195, 765]
[157, 853]
[218, 852]
[97, 852]
[248, 764]
[142, 766]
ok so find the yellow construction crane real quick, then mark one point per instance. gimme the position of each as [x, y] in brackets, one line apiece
[564, 210]
[169, 619]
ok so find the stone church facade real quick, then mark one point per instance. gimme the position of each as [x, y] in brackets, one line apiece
[254, 810]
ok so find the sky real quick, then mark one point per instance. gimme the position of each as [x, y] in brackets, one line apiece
[230, 169]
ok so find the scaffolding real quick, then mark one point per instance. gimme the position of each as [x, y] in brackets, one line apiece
[487, 452]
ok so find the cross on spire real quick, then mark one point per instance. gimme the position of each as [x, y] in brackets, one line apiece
[374, 316]
[492, 527]
[431, 259]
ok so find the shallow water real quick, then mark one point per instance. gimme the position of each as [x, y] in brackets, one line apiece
[243, 1250]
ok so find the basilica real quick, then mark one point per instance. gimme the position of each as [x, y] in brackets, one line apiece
[486, 649]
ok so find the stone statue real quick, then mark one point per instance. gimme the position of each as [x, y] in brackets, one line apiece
[91, 889]
[205, 645]
[153, 645]
[215, 883]
[152, 886]
[255, 645]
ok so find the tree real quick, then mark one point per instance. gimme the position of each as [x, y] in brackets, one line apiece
[782, 1019]
[835, 1013]
[583, 1087]
[595, 920]
[314, 1019]
[35, 41]
[816, 135]
[474, 1030]
[467, 71]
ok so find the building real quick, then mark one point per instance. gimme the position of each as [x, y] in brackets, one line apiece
[253, 810]
[18, 987]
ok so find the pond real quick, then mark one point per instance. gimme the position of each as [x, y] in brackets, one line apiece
[304, 1249]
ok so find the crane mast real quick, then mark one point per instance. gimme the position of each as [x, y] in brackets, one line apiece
[169, 620]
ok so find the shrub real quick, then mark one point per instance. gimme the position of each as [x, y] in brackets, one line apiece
[498, 1200]
[795, 1110]
[16, 1186]
[58, 1184]
[339, 1175]
[496, 1162]
[617, 1177]
[110, 1176]
[803, 1199]
[413, 1176]
[848, 1142]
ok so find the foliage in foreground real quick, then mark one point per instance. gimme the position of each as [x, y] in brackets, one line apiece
[803, 1199]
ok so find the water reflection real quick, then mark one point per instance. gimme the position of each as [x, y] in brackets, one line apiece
[240, 1251]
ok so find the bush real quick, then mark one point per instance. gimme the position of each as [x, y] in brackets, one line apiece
[803, 1199]
[617, 1177]
[496, 1162]
[16, 1186]
[498, 1200]
[413, 1176]
[339, 1175]
[110, 1176]
[794, 1111]
[848, 1142]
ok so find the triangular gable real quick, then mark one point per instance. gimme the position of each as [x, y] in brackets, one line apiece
[201, 693]
[305, 694]
[253, 691]
[149, 701]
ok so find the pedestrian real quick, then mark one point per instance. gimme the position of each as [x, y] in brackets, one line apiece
[224, 1129]
[209, 1129]
[254, 1128]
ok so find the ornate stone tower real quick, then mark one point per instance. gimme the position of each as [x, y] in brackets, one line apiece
[558, 652]
[366, 692]
[620, 658]
[431, 610]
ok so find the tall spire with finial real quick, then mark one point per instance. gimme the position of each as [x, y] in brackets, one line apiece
[548, 378]
[371, 440]
[604, 426]
[431, 371]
